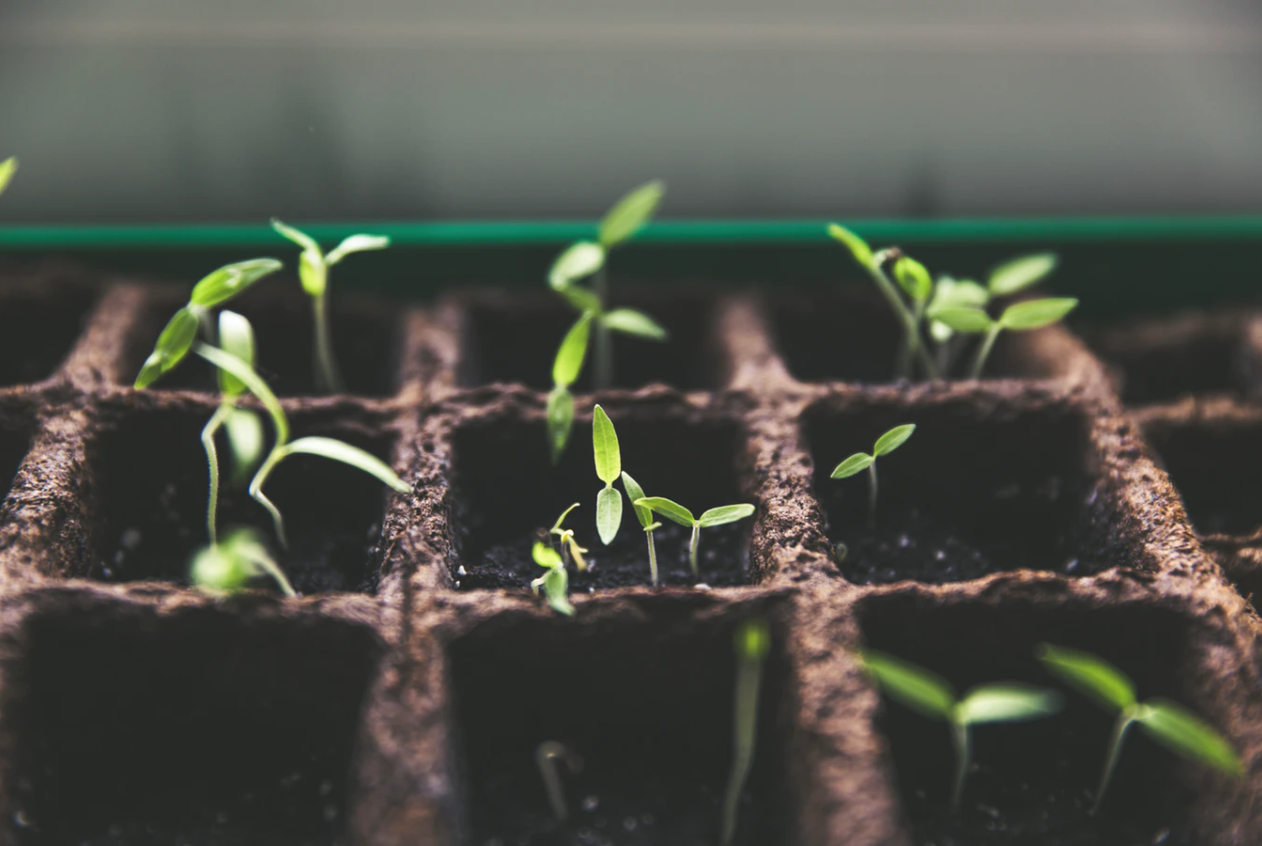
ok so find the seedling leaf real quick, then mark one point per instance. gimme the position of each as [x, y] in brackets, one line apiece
[856, 463]
[632, 322]
[172, 346]
[724, 514]
[225, 283]
[893, 439]
[1020, 273]
[1035, 314]
[913, 686]
[347, 454]
[8, 167]
[577, 261]
[668, 509]
[857, 246]
[299, 237]
[556, 527]
[573, 351]
[1188, 735]
[605, 447]
[630, 213]
[313, 273]
[546, 556]
[636, 493]
[555, 582]
[963, 319]
[1089, 675]
[236, 337]
[963, 293]
[356, 244]
[913, 278]
[608, 514]
[1001, 703]
[582, 299]
[245, 438]
[560, 420]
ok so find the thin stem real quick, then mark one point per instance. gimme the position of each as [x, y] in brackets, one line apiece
[904, 364]
[652, 556]
[327, 378]
[256, 493]
[910, 329]
[1124, 720]
[963, 753]
[692, 549]
[604, 338]
[983, 352]
[745, 725]
[872, 495]
[546, 757]
[212, 463]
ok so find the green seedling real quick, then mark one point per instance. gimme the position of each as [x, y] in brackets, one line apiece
[608, 469]
[546, 756]
[861, 461]
[8, 167]
[752, 643]
[227, 566]
[555, 582]
[313, 272]
[932, 697]
[645, 515]
[565, 370]
[1169, 724]
[713, 517]
[1018, 317]
[565, 538]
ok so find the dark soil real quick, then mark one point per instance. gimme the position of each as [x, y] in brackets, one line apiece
[1217, 468]
[38, 331]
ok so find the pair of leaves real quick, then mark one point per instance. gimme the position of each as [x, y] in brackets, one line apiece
[8, 167]
[885, 444]
[555, 582]
[675, 512]
[227, 566]
[1019, 317]
[314, 264]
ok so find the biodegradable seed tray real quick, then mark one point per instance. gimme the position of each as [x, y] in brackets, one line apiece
[400, 699]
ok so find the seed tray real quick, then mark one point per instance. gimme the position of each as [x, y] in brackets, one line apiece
[399, 700]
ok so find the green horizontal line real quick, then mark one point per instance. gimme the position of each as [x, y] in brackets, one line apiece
[681, 232]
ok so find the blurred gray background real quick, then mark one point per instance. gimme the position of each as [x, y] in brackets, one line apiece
[159, 111]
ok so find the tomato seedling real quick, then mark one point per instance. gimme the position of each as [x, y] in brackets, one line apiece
[861, 461]
[675, 512]
[555, 582]
[565, 537]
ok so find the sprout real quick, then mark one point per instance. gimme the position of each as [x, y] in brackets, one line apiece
[713, 517]
[1169, 724]
[555, 582]
[8, 167]
[565, 371]
[933, 697]
[227, 566]
[645, 515]
[752, 642]
[546, 756]
[313, 271]
[861, 461]
[1019, 317]
[568, 544]
[608, 469]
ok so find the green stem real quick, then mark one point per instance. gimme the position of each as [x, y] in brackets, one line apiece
[212, 463]
[963, 753]
[911, 331]
[327, 378]
[1124, 720]
[256, 492]
[745, 726]
[652, 556]
[872, 495]
[603, 378]
[692, 549]
[983, 352]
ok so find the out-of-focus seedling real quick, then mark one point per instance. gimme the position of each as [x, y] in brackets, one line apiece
[931, 696]
[1018, 317]
[861, 461]
[645, 515]
[547, 755]
[1169, 724]
[8, 167]
[555, 582]
[608, 469]
[565, 370]
[752, 643]
[227, 566]
[313, 272]
[713, 517]
[566, 539]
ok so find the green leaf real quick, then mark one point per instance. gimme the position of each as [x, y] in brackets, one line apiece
[582, 299]
[1090, 675]
[8, 167]
[915, 687]
[356, 244]
[245, 439]
[963, 319]
[858, 247]
[560, 420]
[608, 514]
[632, 322]
[299, 237]
[247, 544]
[913, 278]
[952, 293]
[605, 447]
[630, 213]
[347, 454]
[856, 463]
[669, 509]
[236, 337]
[1188, 735]
[1035, 314]
[635, 492]
[313, 273]
[725, 514]
[546, 556]
[231, 279]
[572, 352]
[556, 527]
[253, 381]
[577, 261]
[172, 346]
[893, 439]
[1006, 703]
[1020, 273]
[556, 586]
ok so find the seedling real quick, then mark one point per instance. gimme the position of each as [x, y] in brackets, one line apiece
[1169, 724]
[555, 582]
[565, 370]
[567, 542]
[752, 643]
[645, 515]
[546, 756]
[931, 696]
[313, 272]
[861, 461]
[1019, 317]
[8, 167]
[227, 566]
[713, 517]
[608, 469]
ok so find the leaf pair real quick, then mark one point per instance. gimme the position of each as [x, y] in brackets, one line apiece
[861, 461]
[555, 582]
[675, 512]
[314, 263]
[1018, 317]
